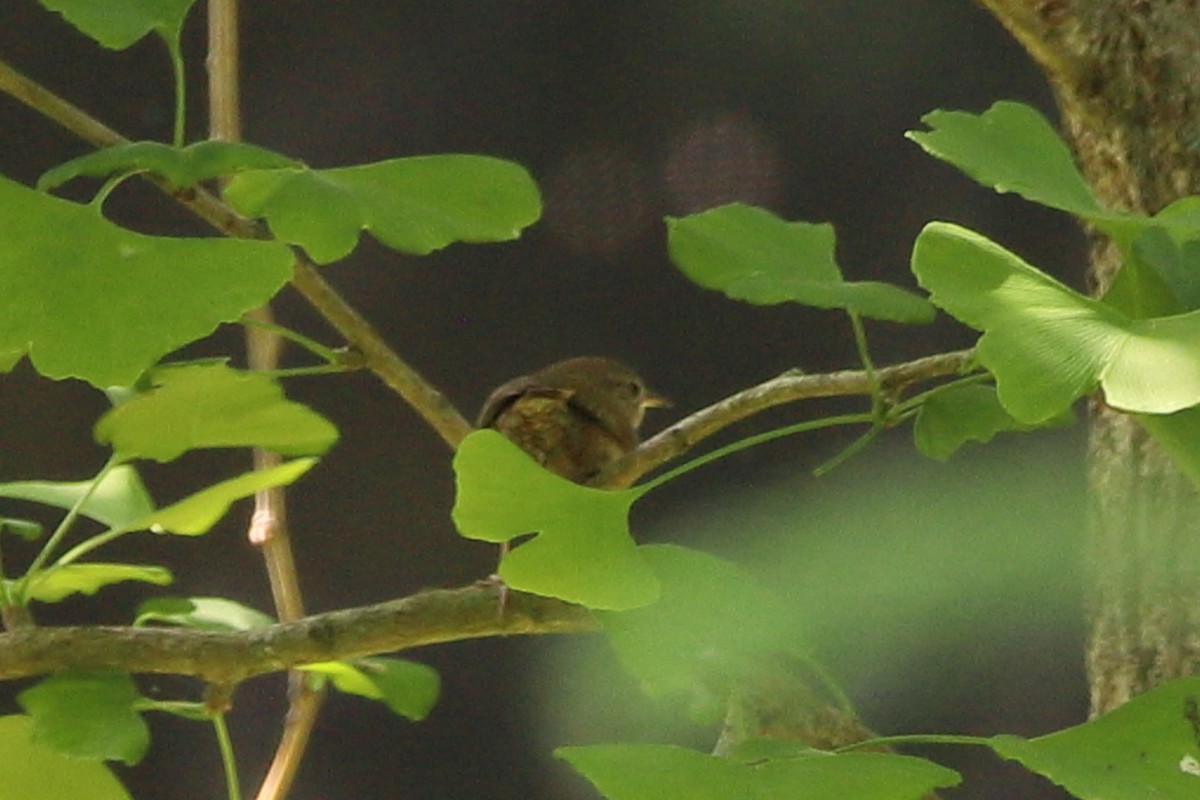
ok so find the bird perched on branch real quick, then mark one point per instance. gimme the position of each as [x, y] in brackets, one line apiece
[574, 417]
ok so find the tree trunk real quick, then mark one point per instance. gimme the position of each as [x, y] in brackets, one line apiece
[1126, 75]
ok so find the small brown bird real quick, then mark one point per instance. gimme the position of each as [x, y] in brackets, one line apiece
[574, 417]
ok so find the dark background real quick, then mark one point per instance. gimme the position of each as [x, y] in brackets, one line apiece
[624, 112]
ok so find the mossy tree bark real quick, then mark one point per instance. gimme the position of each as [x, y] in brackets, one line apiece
[1126, 75]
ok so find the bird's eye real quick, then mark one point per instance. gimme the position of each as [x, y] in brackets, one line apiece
[635, 389]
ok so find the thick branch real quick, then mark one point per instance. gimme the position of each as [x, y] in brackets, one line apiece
[787, 388]
[431, 617]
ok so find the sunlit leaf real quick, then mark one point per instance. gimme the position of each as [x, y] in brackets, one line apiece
[203, 613]
[197, 513]
[1010, 147]
[34, 772]
[750, 254]
[211, 405]
[408, 688]
[1048, 345]
[88, 715]
[414, 205]
[119, 499]
[116, 24]
[88, 299]
[583, 552]
[181, 166]
[666, 772]
[1179, 435]
[1148, 747]
[57, 583]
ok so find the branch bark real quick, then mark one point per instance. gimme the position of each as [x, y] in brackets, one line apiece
[431, 617]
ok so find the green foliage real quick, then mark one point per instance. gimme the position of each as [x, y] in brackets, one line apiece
[202, 613]
[54, 585]
[1149, 747]
[582, 553]
[34, 772]
[705, 633]
[663, 772]
[197, 513]
[407, 688]
[180, 166]
[116, 24]
[116, 501]
[949, 419]
[752, 255]
[88, 715]
[210, 405]
[414, 205]
[1048, 345]
[59, 259]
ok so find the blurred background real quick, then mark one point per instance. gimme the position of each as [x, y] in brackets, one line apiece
[945, 596]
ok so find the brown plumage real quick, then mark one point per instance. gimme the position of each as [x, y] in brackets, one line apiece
[574, 417]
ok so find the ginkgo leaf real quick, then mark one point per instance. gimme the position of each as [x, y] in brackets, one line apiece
[211, 405]
[668, 772]
[949, 419]
[750, 254]
[116, 24]
[197, 513]
[119, 499]
[27, 765]
[1147, 747]
[582, 553]
[1048, 345]
[202, 613]
[181, 166]
[88, 715]
[88, 299]
[408, 688]
[414, 205]
[58, 582]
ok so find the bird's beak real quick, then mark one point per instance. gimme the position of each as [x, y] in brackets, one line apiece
[653, 399]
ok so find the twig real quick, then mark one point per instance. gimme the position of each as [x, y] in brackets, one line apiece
[431, 617]
[787, 388]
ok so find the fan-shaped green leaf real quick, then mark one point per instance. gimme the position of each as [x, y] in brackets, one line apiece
[87, 299]
[583, 552]
[750, 254]
[1149, 747]
[210, 405]
[414, 205]
[88, 715]
[1048, 345]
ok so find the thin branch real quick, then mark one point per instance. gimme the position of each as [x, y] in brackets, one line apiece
[431, 617]
[787, 388]
[387, 365]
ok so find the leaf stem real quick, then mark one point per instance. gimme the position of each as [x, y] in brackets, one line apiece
[917, 738]
[232, 786]
[327, 354]
[751, 441]
[60, 532]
